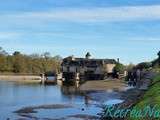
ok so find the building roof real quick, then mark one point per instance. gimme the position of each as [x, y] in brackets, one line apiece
[83, 61]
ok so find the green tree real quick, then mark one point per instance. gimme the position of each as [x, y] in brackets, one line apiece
[158, 54]
[35, 63]
[3, 52]
[130, 67]
[3, 60]
[144, 65]
[158, 58]
[46, 55]
[119, 68]
[19, 62]
[2, 63]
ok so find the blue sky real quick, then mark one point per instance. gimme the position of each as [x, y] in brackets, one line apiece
[129, 30]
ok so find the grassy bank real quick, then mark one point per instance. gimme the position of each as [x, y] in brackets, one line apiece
[150, 100]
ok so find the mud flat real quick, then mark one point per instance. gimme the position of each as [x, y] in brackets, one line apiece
[21, 78]
[27, 113]
[33, 109]
[84, 117]
[100, 85]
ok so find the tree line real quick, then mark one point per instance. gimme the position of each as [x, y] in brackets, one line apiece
[28, 64]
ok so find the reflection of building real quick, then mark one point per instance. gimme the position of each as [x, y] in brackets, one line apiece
[69, 90]
[86, 68]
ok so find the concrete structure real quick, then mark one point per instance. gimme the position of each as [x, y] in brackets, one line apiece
[86, 68]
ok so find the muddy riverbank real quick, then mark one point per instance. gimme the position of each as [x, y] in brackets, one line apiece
[107, 85]
[131, 97]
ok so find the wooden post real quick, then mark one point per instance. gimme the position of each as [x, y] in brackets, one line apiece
[77, 79]
[43, 78]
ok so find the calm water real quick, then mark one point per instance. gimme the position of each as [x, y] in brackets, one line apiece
[14, 96]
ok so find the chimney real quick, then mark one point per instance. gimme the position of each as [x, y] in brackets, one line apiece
[72, 58]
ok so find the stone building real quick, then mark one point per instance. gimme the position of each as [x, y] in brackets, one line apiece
[87, 68]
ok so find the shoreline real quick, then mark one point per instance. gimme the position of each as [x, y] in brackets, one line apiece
[131, 97]
[21, 78]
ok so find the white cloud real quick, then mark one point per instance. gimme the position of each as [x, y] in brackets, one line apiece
[91, 14]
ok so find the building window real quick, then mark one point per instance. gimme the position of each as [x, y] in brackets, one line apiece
[68, 69]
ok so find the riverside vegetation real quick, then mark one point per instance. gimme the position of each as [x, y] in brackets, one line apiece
[144, 103]
[152, 95]
[151, 98]
[28, 64]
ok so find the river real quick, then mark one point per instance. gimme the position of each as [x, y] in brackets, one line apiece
[48, 102]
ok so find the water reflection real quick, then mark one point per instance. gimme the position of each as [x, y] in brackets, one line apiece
[14, 96]
[68, 90]
[72, 91]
